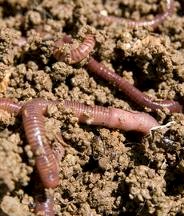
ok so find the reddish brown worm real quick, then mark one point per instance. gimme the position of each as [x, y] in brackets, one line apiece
[154, 22]
[33, 122]
[10, 106]
[75, 55]
[44, 205]
[131, 91]
[44, 202]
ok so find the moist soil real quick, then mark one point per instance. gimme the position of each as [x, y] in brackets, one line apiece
[103, 171]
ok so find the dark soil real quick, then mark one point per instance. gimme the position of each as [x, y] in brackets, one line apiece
[104, 171]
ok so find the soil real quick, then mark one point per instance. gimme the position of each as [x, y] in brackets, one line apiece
[103, 171]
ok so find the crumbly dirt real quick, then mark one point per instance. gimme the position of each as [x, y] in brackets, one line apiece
[104, 171]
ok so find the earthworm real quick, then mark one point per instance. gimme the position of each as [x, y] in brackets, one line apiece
[33, 122]
[46, 162]
[44, 202]
[154, 22]
[131, 91]
[44, 205]
[95, 115]
[112, 117]
[75, 55]
[9, 106]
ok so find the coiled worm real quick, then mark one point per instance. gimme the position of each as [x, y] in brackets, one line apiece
[75, 55]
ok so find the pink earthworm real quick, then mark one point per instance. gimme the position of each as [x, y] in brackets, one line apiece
[75, 55]
[46, 162]
[112, 117]
[33, 122]
[44, 202]
[154, 22]
[93, 115]
[44, 205]
[10, 106]
[131, 91]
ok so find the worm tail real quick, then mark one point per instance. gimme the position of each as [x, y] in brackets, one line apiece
[132, 92]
